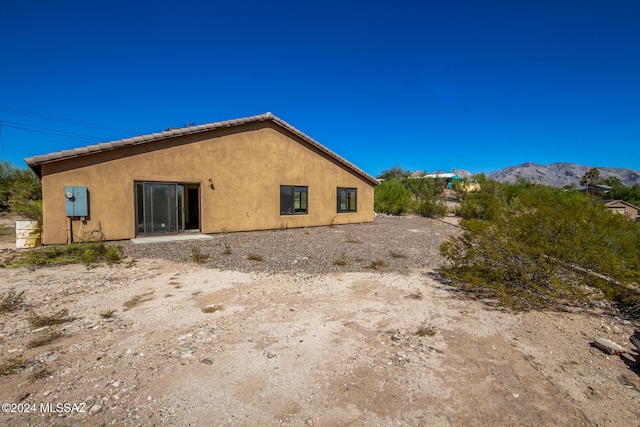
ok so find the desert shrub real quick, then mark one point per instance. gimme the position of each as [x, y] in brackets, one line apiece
[480, 206]
[112, 254]
[58, 318]
[416, 295]
[227, 249]
[11, 365]
[255, 257]
[11, 301]
[213, 308]
[39, 374]
[431, 208]
[396, 173]
[391, 197]
[405, 192]
[76, 253]
[197, 256]
[424, 187]
[488, 185]
[426, 330]
[546, 246]
[460, 188]
[31, 209]
[342, 260]
[377, 264]
[396, 255]
[4, 230]
[136, 300]
[45, 338]
[20, 191]
[107, 314]
[509, 192]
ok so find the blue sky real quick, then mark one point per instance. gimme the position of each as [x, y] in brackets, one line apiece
[427, 85]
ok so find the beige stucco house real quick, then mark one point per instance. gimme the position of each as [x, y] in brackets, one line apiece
[254, 173]
[623, 208]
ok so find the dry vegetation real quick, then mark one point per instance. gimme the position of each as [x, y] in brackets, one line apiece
[212, 308]
[58, 318]
[11, 301]
[89, 254]
[45, 338]
[255, 257]
[137, 300]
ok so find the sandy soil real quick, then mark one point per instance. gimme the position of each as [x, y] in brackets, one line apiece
[341, 348]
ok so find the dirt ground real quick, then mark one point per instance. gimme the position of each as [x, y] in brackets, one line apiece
[367, 347]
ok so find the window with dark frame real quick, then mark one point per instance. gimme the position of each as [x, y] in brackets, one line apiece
[293, 200]
[347, 199]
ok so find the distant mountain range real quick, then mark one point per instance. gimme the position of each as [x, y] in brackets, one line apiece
[561, 174]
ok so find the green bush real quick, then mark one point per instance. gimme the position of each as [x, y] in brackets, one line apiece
[395, 173]
[431, 208]
[480, 205]
[423, 187]
[20, 191]
[75, 253]
[391, 197]
[405, 192]
[620, 192]
[547, 245]
[31, 209]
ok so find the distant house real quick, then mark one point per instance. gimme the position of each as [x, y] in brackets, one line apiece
[595, 189]
[447, 179]
[253, 173]
[623, 208]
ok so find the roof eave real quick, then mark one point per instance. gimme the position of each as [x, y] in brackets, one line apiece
[35, 162]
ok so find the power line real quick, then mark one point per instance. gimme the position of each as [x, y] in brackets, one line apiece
[2, 142]
[52, 132]
[37, 115]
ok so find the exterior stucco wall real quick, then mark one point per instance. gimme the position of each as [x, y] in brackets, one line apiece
[247, 169]
[624, 209]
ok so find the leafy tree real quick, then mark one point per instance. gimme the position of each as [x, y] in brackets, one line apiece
[544, 246]
[6, 184]
[428, 194]
[633, 195]
[488, 185]
[391, 197]
[621, 192]
[613, 182]
[424, 194]
[590, 178]
[20, 191]
[396, 173]
[424, 187]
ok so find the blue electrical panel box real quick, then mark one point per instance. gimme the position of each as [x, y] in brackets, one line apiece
[77, 201]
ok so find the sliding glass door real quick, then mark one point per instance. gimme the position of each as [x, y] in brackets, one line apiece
[159, 208]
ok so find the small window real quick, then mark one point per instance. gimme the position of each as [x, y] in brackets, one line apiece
[347, 199]
[293, 200]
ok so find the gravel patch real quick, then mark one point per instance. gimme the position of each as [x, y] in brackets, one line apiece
[389, 244]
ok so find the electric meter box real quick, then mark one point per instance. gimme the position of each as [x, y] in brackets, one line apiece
[77, 201]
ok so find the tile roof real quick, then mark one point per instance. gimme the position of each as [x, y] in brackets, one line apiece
[442, 175]
[36, 161]
[614, 202]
